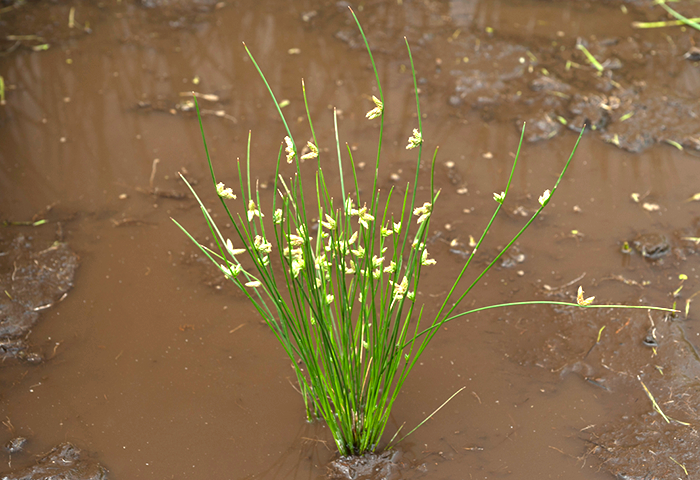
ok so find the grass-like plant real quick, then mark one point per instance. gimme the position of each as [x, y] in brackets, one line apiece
[336, 283]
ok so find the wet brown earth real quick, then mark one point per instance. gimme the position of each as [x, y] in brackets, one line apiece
[126, 356]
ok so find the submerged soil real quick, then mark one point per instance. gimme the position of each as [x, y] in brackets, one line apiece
[152, 366]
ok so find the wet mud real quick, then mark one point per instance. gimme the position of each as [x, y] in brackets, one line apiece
[145, 357]
[643, 91]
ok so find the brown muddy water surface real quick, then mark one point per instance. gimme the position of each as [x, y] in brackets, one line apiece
[122, 341]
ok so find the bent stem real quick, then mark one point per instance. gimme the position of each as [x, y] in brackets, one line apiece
[691, 22]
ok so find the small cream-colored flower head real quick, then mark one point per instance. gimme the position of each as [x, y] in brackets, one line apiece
[391, 268]
[253, 284]
[499, 197]
[253, 211]
[579, 297]
[400, 290]
[364, 217]
[231, 272]
[295, 240]
[289, 149]
[397, 227]
[544, 198]
[386, 231]
[298, 264]
[329, 223]
[313, 152]
[224, 192]
[233, 251]
[277, 217]
[377, 110]
[414, 140]
[427, 261]
[350, 207]
[350, 269]
[262, 245]
[329, 299]
[423, 212]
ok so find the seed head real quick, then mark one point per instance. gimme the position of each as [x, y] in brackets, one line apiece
[364, 217]
[427, 261]
[224, 192]
[377, 110]
[329, 223]
[313, 152]
[423, 212]
[414, 140]
[253, 211]
[233, 251]
[579, 297]
[277, 217]
[289, 149]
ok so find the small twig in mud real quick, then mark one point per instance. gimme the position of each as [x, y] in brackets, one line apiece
[8, 425]
[294, 386]
[153, 172]
[436, 411]
[589, 56]
[624, 280]
[238, 327]
[316, 440]
[657, 408]
[55, 349]
[680, 465]
[667, 23]
[219, 113]
[72, 23]
[687, 303]
[622, 327]
[653, 401]
[128, 222]
[560, 451]
[600, 332]
[210, 97]
[6, 223]
[561, 287]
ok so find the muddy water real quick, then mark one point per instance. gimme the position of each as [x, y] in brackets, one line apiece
[160, 370]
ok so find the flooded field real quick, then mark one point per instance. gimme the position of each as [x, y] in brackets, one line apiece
[129, 353]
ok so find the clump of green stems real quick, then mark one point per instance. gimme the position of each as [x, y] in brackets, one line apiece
[340, 292]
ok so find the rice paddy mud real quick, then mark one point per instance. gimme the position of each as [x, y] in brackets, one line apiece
[126, 356]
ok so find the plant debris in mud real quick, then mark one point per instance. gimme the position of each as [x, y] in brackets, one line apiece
[371, 466]
[552, 79]
[32, 280]
[64, 462]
